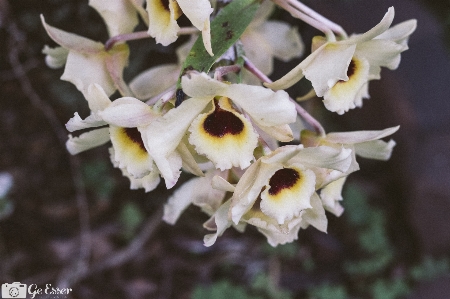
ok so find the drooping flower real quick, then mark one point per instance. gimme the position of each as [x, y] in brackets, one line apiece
[163, 15]
[340, 70]
[123, 118]
[366, 144]
[264, 40]
[222, 132]
[87, 62]
[277, 194]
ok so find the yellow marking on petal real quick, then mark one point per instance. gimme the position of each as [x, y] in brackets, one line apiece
[289, 192]
[225, 136]
[356, 79]
[223, 125]
[283, 182]
[129, 140]
[162, 20]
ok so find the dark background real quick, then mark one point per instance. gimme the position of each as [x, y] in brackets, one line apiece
[75, 223]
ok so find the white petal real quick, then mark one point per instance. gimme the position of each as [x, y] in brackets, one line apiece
[180, 200]
[97, 98]
[284, 40]
[164, 134]
[206, 36]
[148, 182]
[129, 151]
[202, 86]
[197, 11]
[327, 65]
[128, 112]
[154, 80]
[331, 194]
[316, 215]
[262, 14]
[381, 27]
[282, 133]
[282, 154]
[83, 70]
[72, 41]
[92, 121]
[87, 140]
[222, 223]
[381, 52]
[344, 94]
[208, 198]
[139, 7]
[249, 187]
[120, 16]
[189, 163]
[400, 32]
[220, 183]
[115, 62]
[375, 149]
[275, 238]
[55, 57]
[360, 136]
[162, 23]
[265, 106]
[258, 50]
[324, 157]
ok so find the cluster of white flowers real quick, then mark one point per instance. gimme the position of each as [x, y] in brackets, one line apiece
[219, 122]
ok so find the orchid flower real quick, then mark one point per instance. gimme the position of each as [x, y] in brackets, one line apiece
[366, 144]
[124, 117]
[278, 195]
[340, 70]
[222, 132]
[87, 62]
[163, 15]
[264, 40]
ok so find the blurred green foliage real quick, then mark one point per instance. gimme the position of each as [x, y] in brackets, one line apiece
[327, 291]
[131, 218]
[97, 177]
[262, 287]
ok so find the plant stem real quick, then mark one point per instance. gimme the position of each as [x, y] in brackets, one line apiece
[314, 14]
[285, 4]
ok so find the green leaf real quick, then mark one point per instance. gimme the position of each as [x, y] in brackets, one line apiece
[226, 28]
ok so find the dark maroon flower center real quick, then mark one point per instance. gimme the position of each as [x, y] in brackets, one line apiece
[135, 136]
[350, 71]
[221, 122]
[351, 68]
[165, 4]
[283, 179]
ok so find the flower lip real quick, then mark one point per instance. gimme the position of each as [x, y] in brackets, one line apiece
[221, 122]
[165, 4]
[135, 137]
[350, 71]
[351, 68]
[283, 179]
